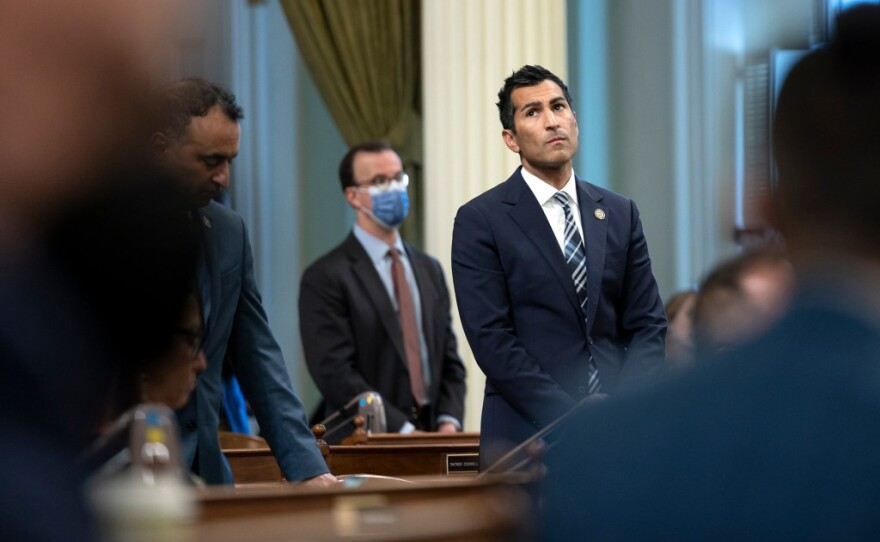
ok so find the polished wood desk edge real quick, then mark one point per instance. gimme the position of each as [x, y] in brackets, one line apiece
[236, 441]
[412, 484]
[366, 449]
[457, 511]
[417, 438]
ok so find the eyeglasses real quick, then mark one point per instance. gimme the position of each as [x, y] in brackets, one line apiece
[380, 183]
[194, 340]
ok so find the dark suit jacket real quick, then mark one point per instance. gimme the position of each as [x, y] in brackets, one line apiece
[776, 441]
[521, 315]
[352, 337]
[237, 327]
[56, 372]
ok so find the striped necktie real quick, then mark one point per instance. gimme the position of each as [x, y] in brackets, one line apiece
[576, 258]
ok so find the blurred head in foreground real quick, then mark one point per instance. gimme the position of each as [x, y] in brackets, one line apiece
[740, 298]
[75, 89]
[827, 146]
[77, 79]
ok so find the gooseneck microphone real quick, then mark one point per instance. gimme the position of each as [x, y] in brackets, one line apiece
[369, 405]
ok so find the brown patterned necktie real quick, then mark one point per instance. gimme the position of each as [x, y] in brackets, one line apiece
[407, 313]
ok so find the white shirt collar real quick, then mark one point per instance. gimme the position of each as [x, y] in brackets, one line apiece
[376, 249]
[544, 191]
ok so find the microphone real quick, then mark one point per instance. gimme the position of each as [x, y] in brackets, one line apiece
[154, 443]
[143, 438]
[369, 405]
[141, 492]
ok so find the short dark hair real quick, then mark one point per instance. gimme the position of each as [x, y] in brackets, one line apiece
[346, 166]
[527, 76]
[826, 138]
[193, 97]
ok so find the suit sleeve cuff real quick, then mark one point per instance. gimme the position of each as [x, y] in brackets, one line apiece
[442, 418]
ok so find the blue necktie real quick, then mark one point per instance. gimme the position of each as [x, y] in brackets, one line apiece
[576, 258]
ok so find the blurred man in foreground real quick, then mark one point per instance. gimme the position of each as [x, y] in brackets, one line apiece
[74, 90]
[777, 440]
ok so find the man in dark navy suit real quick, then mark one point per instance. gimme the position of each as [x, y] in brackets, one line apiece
[552, 275]
[777, 440]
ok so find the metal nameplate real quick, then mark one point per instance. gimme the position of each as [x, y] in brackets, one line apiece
[462, 463]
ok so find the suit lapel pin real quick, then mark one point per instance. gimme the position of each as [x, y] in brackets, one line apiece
[206, 221]
[599, 213]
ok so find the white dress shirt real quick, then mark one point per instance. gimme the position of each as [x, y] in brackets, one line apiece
[552, 208]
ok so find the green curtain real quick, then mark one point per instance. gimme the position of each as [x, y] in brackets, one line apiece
[365, 57]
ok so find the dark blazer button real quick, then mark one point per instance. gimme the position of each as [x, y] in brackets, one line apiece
[190, 425]
[590, 341]
[582, 389]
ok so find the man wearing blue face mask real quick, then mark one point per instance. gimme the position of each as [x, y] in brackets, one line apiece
[374, 311]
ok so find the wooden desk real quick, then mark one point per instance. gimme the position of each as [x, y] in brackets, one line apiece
[419, 438]
[251, 465]
[401, 459]
[454, 510]
[229, 441]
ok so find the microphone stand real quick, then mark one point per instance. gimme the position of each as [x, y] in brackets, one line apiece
[536, 438]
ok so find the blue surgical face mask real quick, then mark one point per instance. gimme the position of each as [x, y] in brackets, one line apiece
[390, 202]
[390, 208]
